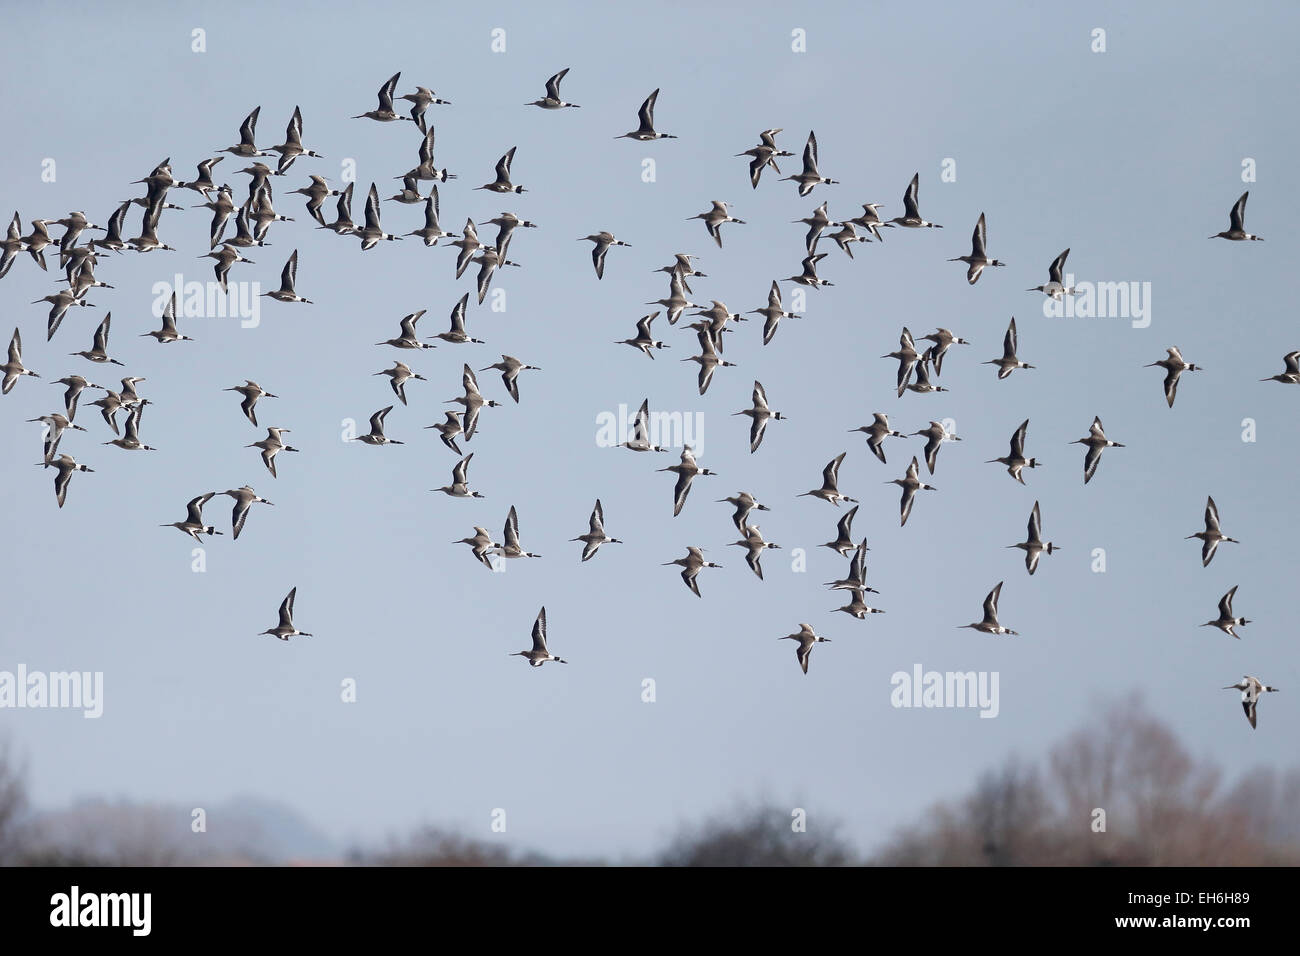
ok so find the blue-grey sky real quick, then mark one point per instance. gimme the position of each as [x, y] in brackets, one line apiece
[1131, 158]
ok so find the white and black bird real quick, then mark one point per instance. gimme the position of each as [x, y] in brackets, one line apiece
[714, 217]
[247, 145]
[829, 491]
[1226, 620]
[602, 240]
[472, 400]
[372, 233]
[760, 414]
[225, 257]
[376, 434]
[943, 339]
[510, 546]
[510, 367]
[1055, 287]
[989, 624]
[432, 230]
[911, 217]
[398, 376]
[745, 504]
[877, 432]
[287, 280]
[1097, 442]
[686, 471]
[809, 275]
[1251, 688]
[168, 333]
[1015, 459]
[271, 446]
[420, 101]
[65, 465]
[552, 100]
[935, 435]
[245, 497]
[285, 629]
[449, 429]
[1009, 361]
[978, 259]
[292, 146]
[1237, 232]
[384, 112]
[645, 131]
[806, 637]
[481, 544]
[407, 338]
[1174, 367]
[911, 484]
[772, 313]
[907, 357]
[843, 542]
[317, 191]
[99, 350]
[502, 183]
[708, 359]
[763, 155]
[456, 334]
[193, 524]
[55, 425]
[1290, 375]
[644, 342]
[595, 536]
[691, 566]
[427, 169]
[459, 487]
[755, 546]
[1033, 544]
[810, 175]
[539, 654]
[1211, 537]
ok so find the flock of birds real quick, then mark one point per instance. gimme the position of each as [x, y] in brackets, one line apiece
[918, 369]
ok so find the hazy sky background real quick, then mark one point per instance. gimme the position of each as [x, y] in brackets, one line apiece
[1131, 157]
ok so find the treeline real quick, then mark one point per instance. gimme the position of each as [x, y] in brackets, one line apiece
[1122, 792]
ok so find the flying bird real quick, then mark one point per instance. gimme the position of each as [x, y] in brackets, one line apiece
[646, 118]
[595, 536]
[1097, 442]
[691, 566]
[686, 471]
[285, 629]
[911, 484]
[1251, 688]
[989, 624]
[552, 100]
[1174, 367]
[193, 524]
[829, 491]
[1033, 544]
[1237, 232]
[806, 638]
[1015, 459]
[539, 655]
[1211, 536]
[245, 498]
[1055, 286]
[1226, 621]
[760, 414]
